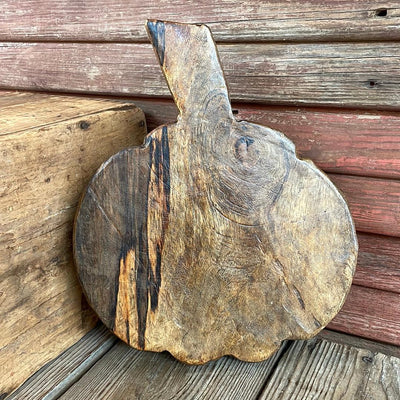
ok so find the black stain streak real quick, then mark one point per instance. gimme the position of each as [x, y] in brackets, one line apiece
[367, 359]
[161, 167]
[148, 281]
[317, 323]
[299, 298]
[157, 33]
[286, 176]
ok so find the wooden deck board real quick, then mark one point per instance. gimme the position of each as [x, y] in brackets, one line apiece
[361, 75]
[125, 373]
[318, 369]
[332, 365]
[56, 376]
[108, 20]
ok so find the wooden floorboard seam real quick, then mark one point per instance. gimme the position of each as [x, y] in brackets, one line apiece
[81, 370]
[282, 351]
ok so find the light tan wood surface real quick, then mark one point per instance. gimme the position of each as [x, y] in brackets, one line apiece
[50, 147]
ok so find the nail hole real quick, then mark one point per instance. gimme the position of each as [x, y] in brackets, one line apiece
[84, 125]
[382, 12]
[47, 180]
[367, 359]
[372, 83]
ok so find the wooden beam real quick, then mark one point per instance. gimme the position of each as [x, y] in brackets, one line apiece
[107, 20]
[362, 75]
[48, 157]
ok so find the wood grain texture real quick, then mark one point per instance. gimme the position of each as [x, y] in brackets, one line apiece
[374, 203]
[57, 376]
[125, 373]
[212, 238]
[378, 262]
[362, 75]
[44, 170]
[370, 313]
[110, 20]
[324, 370]
[339, 141]
[359, 342]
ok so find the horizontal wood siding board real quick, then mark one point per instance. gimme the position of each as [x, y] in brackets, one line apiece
[374, 203]
[107, 20]
[378, 264]
[370, 313]
[340, 141]
[362, 75]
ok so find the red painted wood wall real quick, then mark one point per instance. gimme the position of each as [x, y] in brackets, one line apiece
[327, 74]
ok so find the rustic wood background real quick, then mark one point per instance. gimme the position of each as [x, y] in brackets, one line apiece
[50, 148]
[324, 73]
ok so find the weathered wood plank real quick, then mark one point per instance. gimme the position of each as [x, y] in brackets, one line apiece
[359, 342]
[107, 20]
[319, 369]
[378, 263]
[53, 379]
[125, 373]
[370, 313]
[374, 203]
[44, 171]
[35, 110]
[347, 142]
[360, 75]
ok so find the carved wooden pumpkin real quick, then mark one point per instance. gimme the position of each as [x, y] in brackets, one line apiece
[212, 238]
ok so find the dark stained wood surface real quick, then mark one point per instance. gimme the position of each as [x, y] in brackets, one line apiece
[111, 20]
[212, 238]
[329, 74]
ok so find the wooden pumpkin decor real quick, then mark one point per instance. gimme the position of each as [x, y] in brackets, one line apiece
[212, 238]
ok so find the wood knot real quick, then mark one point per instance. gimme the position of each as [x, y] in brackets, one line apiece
[241, 147]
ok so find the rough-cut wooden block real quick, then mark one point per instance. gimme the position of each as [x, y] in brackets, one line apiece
[50, 147]
[212, 238]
